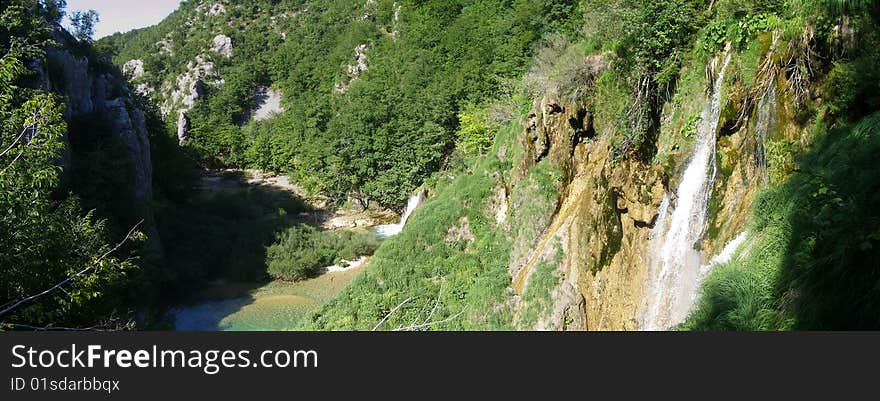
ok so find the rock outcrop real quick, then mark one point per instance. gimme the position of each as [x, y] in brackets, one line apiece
[88, 92]
[222, 44]
[188, 88]
[601, 226]
[133, 69]
[267, 102]
[599, 237]
[355, 70]
[211, 9]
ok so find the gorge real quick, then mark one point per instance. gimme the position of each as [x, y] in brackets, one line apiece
[445, 165]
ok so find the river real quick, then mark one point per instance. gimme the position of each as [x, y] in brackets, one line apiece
[278, 305]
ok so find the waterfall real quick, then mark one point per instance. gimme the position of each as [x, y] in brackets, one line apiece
[390, 230]
[725, 255]
[675, 260]
[766, 112]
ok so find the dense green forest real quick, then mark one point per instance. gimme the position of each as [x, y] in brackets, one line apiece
[545, 134]
[390, 128]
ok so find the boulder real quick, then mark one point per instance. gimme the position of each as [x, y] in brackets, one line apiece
[223, 44]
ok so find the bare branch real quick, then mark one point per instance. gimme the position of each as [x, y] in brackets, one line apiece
[79, 273]
[18, 326]
[425, 307]
[18, 138]
[426, 325]
[33, 128]
[112, 323]
[436, 302]
[390, 313]
[416, 319]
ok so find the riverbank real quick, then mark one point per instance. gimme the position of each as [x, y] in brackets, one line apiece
[323, 215]
[232, 220]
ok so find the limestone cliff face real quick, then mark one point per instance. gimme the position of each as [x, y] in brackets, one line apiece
[603, 219]
[607, 207]
[88, 92]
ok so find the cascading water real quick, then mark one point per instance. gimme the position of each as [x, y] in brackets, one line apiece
[725, 255]
[390, 230]
[675, 261]
[766, 112]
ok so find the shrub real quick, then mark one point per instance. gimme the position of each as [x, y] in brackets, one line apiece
[475, 132]
[302, 251]
[295, 256]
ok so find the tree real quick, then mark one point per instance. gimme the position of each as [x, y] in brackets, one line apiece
[54, 9]
[83, 23]
[53, 268]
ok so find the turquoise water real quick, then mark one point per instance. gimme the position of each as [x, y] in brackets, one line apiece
[277, 306]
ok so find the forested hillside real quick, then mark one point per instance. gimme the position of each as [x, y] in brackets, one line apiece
[64, 152]
[370, 90]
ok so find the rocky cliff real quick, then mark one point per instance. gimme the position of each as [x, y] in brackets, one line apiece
[91, 89]
[601, 226]
[602, 240]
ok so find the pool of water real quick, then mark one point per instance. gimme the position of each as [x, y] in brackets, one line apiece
[277, 306]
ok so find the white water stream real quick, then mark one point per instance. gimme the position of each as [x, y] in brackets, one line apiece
[390, 230]
[675, 258]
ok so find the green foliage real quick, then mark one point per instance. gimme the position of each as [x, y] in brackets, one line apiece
[475, 131]
[662, 29]
[391, 127]
[812, 261]
[302, 251]
[538, 298]
[45, 240]
[738, 31]
[844, 7]
[25, 27]
[612, 102]
[466, 279]
[83, 24]
[852, 88]
[650, 41]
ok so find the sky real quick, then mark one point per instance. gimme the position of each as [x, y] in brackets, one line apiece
[124, 15]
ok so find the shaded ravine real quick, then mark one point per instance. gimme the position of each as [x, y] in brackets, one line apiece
[278, 305]
[675, 256]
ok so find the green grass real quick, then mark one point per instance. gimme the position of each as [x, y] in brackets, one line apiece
[418, 262]
[812, 261]
[470, 279]
[538, 299]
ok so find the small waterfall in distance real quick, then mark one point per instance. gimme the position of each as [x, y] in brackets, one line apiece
[390, 230]
[766, 113]
[675, 262]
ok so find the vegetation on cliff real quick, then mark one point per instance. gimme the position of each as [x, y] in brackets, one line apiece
[56, 269]
[797, 270]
